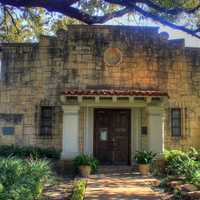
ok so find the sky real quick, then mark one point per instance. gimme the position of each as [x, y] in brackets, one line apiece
[174, 34]
[190, 41]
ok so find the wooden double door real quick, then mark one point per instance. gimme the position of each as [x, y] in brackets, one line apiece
[112, 136]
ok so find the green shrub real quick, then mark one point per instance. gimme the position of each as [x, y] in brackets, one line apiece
[86, 160]
[144, 157]
[29, 152]
[22, 179]
[169, 155]
[184, 164]
[194, 154]
[196, 178]
[190, 168]
[175, 162]
[78, 190]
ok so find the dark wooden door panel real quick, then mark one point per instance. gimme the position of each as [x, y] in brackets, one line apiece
[112, 136]
[120, 130]
[103, 140]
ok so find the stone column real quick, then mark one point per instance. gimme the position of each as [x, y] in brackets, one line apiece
[156, 129]
[70, 148]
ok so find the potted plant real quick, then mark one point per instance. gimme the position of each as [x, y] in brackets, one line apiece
[144, 159]
[85, 165]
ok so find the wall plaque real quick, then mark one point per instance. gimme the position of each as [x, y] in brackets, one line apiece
[144, 130]
[8, 130]
[112, 56]
[104, 134]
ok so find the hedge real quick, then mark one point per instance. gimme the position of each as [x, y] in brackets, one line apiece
[29, 152]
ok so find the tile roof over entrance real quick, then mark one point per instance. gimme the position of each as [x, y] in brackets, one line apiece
[113, 92]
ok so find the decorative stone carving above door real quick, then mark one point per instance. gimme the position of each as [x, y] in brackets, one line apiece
[113, 56]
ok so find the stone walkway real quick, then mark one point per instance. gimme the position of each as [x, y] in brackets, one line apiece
[121, 186]
[60, 190]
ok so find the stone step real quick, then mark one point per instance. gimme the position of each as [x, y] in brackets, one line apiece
[110, 169]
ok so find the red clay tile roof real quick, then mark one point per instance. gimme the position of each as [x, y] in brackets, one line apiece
[112, 92]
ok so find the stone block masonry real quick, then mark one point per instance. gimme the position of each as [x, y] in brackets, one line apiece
[35, 74]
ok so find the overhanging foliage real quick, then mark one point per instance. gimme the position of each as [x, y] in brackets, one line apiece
[182, 15]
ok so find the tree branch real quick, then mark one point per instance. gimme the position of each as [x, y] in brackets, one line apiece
[12, 19]
[71, 2]
[109, 16]
[171, 11]
[153, 5]
[165, 22]
[65, 7]
[5, 19]
[62, 7]
[133, 5]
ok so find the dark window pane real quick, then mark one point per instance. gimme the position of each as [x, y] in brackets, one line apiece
[176, 132]
[176, 113]
[46, 121]
[47, 112]
[176, 121]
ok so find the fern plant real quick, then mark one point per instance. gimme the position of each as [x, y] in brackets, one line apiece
[144, 157]
[86, 160]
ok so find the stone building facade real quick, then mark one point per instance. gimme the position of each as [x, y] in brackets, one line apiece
[63, 91]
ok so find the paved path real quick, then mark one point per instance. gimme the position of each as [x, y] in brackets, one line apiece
[60, 190]
[126, 186]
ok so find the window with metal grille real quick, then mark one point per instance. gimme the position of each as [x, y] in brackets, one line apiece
[46, 121]
[176, 122]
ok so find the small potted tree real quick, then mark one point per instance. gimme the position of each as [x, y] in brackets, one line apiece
[144, 159]
[85, 165]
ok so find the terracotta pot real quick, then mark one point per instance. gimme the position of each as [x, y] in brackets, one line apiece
[144, 169]
[85, 170]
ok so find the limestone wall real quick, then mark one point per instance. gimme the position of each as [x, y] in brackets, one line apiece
[82, 57]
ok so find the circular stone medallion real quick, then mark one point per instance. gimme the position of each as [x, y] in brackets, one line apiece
[112, 56]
